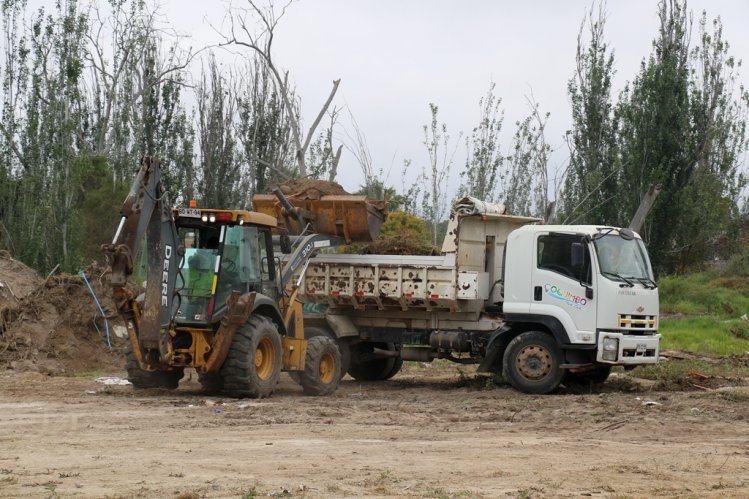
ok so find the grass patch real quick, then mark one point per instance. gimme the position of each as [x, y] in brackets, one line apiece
[704, 294]
[706, 334]
[679, 369]
[705, 313]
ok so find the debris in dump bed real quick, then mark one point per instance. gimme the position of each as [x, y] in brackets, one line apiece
[311, 188]
[48, 325]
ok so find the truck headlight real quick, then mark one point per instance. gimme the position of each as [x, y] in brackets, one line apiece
[611, 344]
[610, 349]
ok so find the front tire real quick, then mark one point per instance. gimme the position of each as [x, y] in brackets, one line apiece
[531, 363]
[322, 366]
[142, 379]
[253, 365]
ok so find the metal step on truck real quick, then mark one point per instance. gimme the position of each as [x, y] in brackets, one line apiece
[537, 303]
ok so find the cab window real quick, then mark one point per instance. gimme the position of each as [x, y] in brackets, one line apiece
[565, 254]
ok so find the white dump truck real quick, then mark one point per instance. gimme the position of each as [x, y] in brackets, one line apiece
[537, 303]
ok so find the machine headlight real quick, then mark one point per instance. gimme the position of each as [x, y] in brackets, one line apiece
[609, 355]
[611, 344]
[212, 218]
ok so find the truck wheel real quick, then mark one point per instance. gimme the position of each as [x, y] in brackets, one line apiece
[374, 369]
[343, 348]
[150, 379]
[322, 366]
[531, 363]
[253, 365]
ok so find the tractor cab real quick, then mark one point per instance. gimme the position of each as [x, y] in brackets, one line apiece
[224, 251]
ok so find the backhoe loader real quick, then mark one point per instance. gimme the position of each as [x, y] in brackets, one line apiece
[215, 297]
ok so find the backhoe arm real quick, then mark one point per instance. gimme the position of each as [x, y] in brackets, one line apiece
[146, 212]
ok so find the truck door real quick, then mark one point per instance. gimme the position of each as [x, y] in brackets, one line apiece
[561, 274]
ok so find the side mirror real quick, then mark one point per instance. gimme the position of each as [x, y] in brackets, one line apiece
[285, 241]
[588, 293]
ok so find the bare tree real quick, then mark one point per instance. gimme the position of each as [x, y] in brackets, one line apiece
[243, 34]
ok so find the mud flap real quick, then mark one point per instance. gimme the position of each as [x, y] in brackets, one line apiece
[492, 361]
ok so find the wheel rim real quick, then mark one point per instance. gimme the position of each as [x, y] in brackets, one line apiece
[264, 357]
[534, 362]
[327, 368]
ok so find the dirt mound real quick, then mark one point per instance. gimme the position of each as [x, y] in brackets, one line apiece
[51, 325]
[311, 188]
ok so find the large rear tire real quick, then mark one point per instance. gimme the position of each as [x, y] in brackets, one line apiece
[142, 379]
[253, 364]
[322, 366]
[531, 363]
[374, 369]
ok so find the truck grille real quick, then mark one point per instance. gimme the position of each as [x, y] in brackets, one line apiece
[637, 322]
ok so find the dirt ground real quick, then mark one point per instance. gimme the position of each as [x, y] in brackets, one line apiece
[428, 432]
[432, 431]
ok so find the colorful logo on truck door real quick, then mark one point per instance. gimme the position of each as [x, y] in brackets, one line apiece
[568, 297]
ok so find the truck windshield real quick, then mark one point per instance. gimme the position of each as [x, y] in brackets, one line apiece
[623, 260]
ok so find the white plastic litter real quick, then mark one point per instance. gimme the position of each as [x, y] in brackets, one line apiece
[112, 380]
[650, 402]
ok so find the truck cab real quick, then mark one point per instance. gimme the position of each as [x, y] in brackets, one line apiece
[592, 287]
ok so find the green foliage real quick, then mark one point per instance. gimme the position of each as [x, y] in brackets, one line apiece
[431, 188]
[483, 174]
[592, 178]
[706, 313]
[704, 294]
[679, 125]
[376, 190]
[399, 222]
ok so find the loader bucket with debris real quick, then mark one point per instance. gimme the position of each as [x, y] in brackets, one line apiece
[353, 218]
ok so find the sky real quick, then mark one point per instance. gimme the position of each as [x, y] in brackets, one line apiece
[394, 57]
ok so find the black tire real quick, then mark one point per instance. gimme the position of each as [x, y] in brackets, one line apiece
[211, 383]
[375, 369]
[322, 366]
[343, 348]
[531, 363]
[142, 379]
[596, 376]
[253, 365]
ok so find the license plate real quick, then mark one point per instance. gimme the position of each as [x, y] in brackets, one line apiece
[189, 212]
[642, 348]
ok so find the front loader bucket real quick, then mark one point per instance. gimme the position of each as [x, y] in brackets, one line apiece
[353, 218]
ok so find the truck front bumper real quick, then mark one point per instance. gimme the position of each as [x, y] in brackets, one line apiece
[628, 349]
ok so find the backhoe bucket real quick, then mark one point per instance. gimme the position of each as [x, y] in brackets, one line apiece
[353, 218]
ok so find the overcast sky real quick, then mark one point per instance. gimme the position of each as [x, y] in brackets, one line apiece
[394, 57]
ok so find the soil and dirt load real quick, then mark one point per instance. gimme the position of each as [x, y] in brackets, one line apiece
[311, 188]
[50, 325]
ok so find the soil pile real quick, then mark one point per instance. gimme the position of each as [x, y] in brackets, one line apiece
[311, 188]
[50, 325]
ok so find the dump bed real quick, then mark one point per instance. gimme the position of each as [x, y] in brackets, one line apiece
[393, 282]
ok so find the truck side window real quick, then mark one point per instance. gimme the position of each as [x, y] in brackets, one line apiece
[560, 253]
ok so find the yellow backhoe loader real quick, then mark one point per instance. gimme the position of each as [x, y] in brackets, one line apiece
[216, 297]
